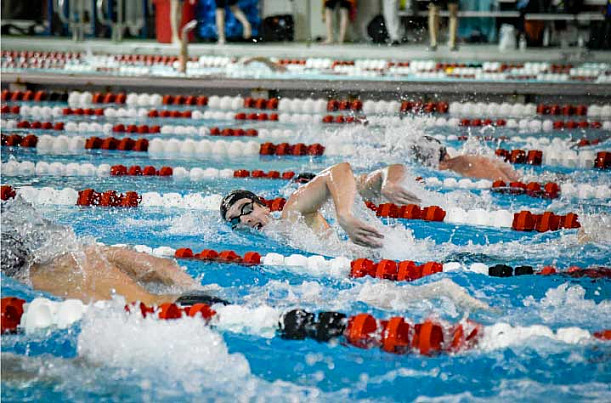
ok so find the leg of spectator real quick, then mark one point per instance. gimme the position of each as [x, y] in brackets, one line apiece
[175, 17]
[329, 25]
[433, 25]
[343, 24]
[453, 26]
[391, 18]
[220, 25]
[240, 16]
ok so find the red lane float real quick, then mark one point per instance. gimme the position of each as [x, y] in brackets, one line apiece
[409, 211]
[424, 107]
[30, 96]
[12, 311]
[26, 124]
[111, 143]
[603, 160]
[7, 192]
[228, 132]
[291, 149]
[406, 270]
[550, 190]
[261, 103]
[586, 142]
[136, 170]
[548, 221]
[226, 256]
[334, 105]
[243, 173]
[15, 140]
[110, 198]
[340, 119]
[257, 116]
[398, 336]
[566, 110]
[141, 129]
[532, 157]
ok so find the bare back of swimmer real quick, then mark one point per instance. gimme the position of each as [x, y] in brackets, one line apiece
[51, 259]
[431, 152]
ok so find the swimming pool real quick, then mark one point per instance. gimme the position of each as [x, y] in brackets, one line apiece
[545, 350]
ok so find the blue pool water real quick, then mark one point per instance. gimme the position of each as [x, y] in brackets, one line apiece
[110, 356]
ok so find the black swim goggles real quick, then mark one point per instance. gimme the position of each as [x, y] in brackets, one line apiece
[246, 209]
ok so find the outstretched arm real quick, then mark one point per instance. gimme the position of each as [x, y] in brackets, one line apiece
[274, 66]
[386, 182]
[337, 183]
[148, 269]
[477, 166]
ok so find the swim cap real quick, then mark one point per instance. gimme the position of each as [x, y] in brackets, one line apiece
[233, 197]
[428, 151]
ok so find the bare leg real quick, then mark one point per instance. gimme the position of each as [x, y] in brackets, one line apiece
[239, 14]
[453, 26]
[329, 25]
[433, 25]
[220, 25]
[175, 17]
[343, 24]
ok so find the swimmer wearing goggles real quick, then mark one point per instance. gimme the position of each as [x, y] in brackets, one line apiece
[337, 183]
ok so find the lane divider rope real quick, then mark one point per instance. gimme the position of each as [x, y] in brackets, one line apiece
[521, 221]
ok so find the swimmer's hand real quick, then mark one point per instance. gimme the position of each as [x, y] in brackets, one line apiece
[397, 194]
[359, 232]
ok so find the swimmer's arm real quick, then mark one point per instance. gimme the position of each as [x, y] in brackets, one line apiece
[476, 166]
[380, 296]
[149, 269]
[337, 183]
[387, 182]
[272, 65]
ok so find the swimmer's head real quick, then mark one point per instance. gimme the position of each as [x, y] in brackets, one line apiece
[244, 208]
[429, 151]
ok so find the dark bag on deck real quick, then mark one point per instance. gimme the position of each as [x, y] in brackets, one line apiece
[278, 28]
[377, 31]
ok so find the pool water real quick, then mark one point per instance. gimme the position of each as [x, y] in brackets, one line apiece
[113, 356]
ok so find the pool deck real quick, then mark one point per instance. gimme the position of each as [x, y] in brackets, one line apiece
[466, 53]
[450, 90]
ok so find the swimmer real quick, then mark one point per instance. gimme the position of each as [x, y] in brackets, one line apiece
[50, 258]
[337, 183]
[431, 152]
[261, 61]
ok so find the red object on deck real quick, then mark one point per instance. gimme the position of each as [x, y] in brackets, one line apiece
[163, 26]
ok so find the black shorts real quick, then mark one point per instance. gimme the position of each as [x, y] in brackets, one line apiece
[225, 3]
[333, 3]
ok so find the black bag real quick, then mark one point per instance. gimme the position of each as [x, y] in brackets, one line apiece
[377, 31]
[278, 28]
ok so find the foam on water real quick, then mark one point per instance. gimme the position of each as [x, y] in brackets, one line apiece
[184, 352]
[568, 304]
